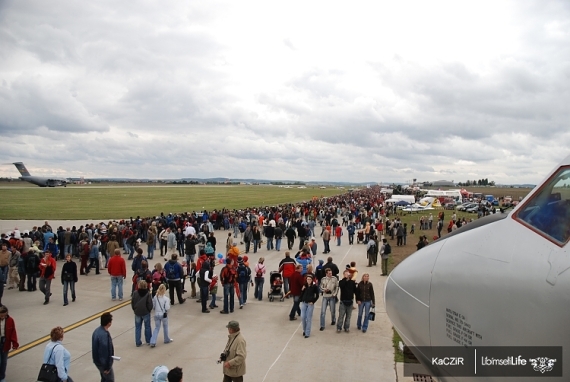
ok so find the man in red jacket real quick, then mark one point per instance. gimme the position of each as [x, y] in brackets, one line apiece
[10, 337]
[118, 271]
[287, 268]
[47, 273]
[296, 285]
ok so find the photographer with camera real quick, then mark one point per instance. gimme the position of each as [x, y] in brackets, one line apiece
[233, 357]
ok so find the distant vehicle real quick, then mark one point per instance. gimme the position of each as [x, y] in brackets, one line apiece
[473, 209]
[322, 187]
[42, 181]
[491, 199]
[424, 205]
[301, 187]
[465, 206]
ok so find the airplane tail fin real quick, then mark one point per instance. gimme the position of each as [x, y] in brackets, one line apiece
[22, 169]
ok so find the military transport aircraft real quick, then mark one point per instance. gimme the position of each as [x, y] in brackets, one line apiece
[42, 181]
[503, 280]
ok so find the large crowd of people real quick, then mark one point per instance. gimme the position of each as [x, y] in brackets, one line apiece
[190, 253]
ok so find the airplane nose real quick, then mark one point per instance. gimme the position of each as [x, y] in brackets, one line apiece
[407, 293]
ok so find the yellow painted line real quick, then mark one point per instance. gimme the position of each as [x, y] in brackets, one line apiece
[69, 328]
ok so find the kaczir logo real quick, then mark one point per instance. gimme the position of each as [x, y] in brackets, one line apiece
[542, 364]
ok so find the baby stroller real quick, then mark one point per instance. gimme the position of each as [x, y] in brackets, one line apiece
[360, 237]
[276, 287]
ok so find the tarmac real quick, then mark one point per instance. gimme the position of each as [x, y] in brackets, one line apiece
[276, 348]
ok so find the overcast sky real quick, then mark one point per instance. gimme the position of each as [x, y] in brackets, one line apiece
[303, 90]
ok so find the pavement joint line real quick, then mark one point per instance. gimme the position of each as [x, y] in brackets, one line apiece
[68, 328]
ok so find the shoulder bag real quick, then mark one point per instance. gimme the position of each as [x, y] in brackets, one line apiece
[48, 372]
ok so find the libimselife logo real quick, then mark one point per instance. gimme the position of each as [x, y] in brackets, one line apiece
[542, 364]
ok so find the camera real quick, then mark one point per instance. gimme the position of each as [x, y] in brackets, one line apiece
[223, 357]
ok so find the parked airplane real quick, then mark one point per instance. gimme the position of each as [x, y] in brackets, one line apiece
[41, 181]
[424, 204]
[503, 280]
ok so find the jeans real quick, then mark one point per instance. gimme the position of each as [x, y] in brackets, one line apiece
[213, 302]
[247, 244]
[175, 285]
[328, 301]
[278, 244]
[364, 306]
[242, 293]
[351, 239]
[68, 248]
[295, 308]
[327, 246]
[150, 251]
[344, 314]
[116, 283]
[158, 320]
[229, 294]
[138, 325]
[180, 248]
[269, 243]
[32, 282]
[290, 243]
[307, 317]
[130, 251]
[45, 287]
[338, 240]
[286, 284]
[110, 377]
[258, 291]
[93, 262]
[255, 245]
[3, 362]
[204, 297]
[66, 285]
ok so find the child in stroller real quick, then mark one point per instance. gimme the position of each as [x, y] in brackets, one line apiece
[276, 288]
[360, 236]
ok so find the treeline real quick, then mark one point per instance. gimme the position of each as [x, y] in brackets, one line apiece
[480, 182]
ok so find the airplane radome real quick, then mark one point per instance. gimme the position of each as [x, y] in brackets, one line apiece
[501, 281]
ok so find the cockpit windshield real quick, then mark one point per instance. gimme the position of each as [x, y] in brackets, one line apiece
[548, 210]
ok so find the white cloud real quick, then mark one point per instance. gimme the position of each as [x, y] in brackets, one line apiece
[366, 91]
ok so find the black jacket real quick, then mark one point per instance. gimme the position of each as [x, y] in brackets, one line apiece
[310, 294]
[71, 268]
[347, 289]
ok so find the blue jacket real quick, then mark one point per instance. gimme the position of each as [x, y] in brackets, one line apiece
[94, 252]
[102, 348]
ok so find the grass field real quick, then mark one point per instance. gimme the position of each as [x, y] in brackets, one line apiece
[117, 201]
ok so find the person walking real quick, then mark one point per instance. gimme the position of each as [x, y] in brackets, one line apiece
[385, 252]
[174, 274]
[47, 273]
[161, 306]
[328, 286]
[142, 306]
[117, 268]
[235, 354]
[102, 349]
[228, 280]
[204, 283]
[296, 284]
[365, 300]
[32, 269]
[243, 273]
[68, 278]
[9, 339]
[347, 293]
[56, 354]
[93, 257]
[259, 279]
[287, 268]
[309, 295]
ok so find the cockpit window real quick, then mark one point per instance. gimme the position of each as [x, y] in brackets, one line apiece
[548, 211]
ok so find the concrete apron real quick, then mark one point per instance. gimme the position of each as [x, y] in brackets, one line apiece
[276, 349]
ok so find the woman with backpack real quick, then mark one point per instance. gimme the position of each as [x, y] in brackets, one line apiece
[161, 306]
[158, 278]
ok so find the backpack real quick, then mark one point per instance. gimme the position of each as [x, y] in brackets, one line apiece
[259, 272]
[372, 248]
[32, 265]
[242, 274]
[387, 249]
[170, 274]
